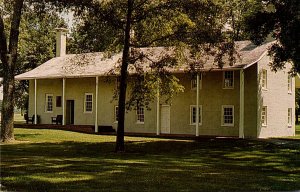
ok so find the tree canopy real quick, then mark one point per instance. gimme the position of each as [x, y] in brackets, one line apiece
[279, 19]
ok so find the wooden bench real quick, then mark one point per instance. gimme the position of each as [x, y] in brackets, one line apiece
[57, 120]
[31, 119]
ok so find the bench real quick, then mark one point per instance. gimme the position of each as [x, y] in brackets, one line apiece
[57, 120]
[31, 119]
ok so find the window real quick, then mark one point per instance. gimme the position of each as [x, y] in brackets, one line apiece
[116, 113]
[58, 101]
[264, 79]
[264, 116]
[194, 82]
[193, 114]
[140, 115]
[88, 103]
[290, 84]
[228, 79]
[49, 103]
[289, 117]
[227, 115]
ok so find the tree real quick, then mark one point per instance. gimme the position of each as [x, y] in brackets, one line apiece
[281, 20]
[195, 25]
[8, 54]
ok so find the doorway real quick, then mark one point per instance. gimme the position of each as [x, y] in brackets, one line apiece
[165, 119]
[70, 112]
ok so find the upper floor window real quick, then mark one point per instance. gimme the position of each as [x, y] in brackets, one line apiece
[228, 79]
[264, 113]
[290, 88]
[227, 115]
[289, 116]
[49, 103]
[193, 114]
[88, 103]
[140, 115]
[264, 79]
[194, 82]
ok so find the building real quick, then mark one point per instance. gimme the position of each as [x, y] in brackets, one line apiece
[243, 100]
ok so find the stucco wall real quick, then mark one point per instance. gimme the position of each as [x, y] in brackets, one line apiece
[277, 99]
[250, 113]
[212, 97]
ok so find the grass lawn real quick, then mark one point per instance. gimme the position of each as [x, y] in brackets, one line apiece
[53, 160]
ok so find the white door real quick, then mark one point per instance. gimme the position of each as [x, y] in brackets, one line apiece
[165, 119]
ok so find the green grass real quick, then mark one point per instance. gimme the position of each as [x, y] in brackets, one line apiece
[52, 160]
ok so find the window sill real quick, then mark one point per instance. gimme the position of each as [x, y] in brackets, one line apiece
[228, 87]
[264, 89]
[194, 124]
[290, 93]
[88, 112]
[264, 125]
[290, 126]
[115, 122]
[48, 111]
[227, 125]
[140, 123]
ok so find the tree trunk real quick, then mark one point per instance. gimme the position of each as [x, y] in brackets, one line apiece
[120, 147]
[9, 58]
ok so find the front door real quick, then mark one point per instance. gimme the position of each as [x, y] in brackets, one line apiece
[70, 112]
[165, 119]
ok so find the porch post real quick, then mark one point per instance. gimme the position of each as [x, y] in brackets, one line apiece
[242, 107]
[35, 101]
[63, 102]
[96, 103]
[197, 107]
[157, 113]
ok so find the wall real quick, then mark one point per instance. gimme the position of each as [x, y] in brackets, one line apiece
[278, 100]
[212, 97]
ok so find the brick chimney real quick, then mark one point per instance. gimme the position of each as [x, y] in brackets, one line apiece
[61, 41]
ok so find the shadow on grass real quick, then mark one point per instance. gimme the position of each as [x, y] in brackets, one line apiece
[206, 165]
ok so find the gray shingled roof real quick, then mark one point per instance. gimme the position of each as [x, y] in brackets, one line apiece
[97, 64]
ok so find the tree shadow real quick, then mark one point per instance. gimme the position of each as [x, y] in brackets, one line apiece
[204, 165]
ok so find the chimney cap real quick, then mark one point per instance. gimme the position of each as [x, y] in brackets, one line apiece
[58, 29]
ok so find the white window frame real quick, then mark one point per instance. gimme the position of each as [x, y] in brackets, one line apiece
[222, 115]
[85, 102]
[264, 79]
[138, 115]
[225, 79]
[194, 82]
[47, 102]
[290, 117]
[191, 114]
[290, 84]
[116, 113]
[264, 116]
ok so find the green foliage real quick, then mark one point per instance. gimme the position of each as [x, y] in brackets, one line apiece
[281, 20]
[36, 46]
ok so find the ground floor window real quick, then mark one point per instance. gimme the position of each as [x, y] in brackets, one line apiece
[227, 115]
[264, 116]
[140, 115]
[88, 103]
[289, 116]
[49, 103]
[193, 114]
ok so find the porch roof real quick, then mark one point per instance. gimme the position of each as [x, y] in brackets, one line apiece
[97, 64]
